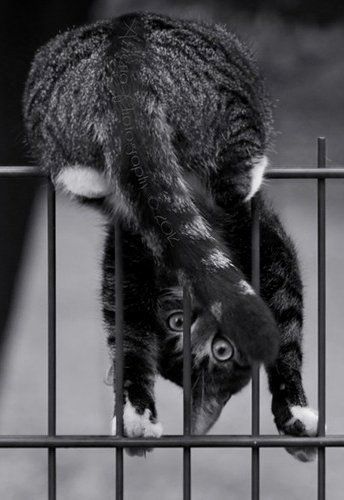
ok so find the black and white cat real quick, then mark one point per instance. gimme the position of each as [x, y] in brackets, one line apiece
[165, 125]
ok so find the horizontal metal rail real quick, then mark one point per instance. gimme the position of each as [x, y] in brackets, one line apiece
[187, 441]
[272, 173]
[171, 441]
[305, 173]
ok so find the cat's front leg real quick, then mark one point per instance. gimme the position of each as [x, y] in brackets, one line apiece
[281, 287]
[139, 420]
[289, 406]
[139, 410]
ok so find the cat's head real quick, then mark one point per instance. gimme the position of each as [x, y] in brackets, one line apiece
[220, 367]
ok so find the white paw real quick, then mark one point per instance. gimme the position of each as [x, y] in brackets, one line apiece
[307, 416]
[309, 423]
[140, 426]
[136, 425]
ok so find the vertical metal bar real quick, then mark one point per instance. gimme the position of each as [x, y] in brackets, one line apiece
[321, 317]
[51, 221]
[187, 394]
[119, 361]
[255, 265]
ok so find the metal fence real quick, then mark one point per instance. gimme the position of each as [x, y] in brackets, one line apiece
[255, 441]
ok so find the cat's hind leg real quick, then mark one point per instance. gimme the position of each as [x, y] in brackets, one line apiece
[239, 180]
[259, 165]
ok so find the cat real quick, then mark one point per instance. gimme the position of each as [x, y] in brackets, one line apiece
[164, 124]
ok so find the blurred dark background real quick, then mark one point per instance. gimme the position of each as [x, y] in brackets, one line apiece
[300, 47]
[24, 26]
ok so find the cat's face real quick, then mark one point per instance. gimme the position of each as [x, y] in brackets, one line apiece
[219, 369]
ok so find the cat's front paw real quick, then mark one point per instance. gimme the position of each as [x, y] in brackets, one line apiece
[137, 425]
[303, 423]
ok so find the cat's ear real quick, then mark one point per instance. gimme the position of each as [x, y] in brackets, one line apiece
[255, 332]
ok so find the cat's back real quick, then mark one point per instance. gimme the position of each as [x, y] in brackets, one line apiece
[200, 75]
[181, 60]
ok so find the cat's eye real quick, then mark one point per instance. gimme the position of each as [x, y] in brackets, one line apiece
[222, 349]
[175, 321]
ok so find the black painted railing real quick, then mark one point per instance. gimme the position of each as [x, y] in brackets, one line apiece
[255, 441]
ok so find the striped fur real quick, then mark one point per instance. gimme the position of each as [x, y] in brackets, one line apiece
[159, 122]
[124, 111]
[152, 294]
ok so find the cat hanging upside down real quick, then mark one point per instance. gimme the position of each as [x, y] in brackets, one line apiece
[164, 124]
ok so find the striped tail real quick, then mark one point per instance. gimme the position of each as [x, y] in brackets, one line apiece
[158, 202]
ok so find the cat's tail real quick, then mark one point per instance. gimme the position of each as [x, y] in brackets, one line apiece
[152, 194]
[144, 186]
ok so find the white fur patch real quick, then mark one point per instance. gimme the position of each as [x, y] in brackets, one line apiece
[245, 288]
[201, 351]
[217, 259]
[216, 309]
[153, 242]
[136, 425]
[197, 228]
[83, 181]
[113, 427]
[307, 416]
[259, 165]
